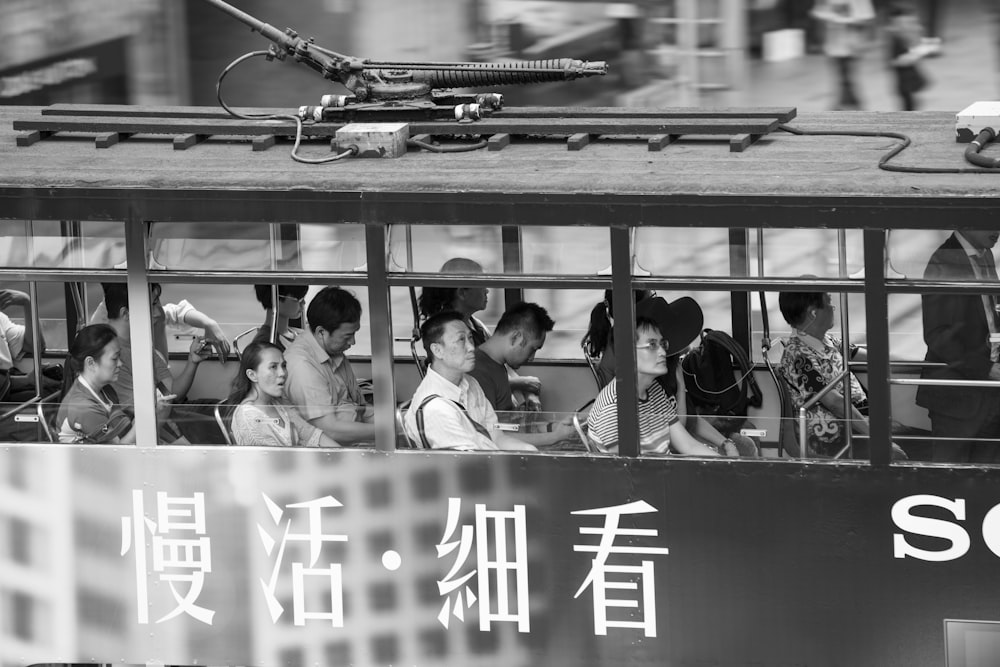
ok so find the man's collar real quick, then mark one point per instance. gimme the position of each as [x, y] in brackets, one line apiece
[441, 380]
[970, 249]
[317, 351]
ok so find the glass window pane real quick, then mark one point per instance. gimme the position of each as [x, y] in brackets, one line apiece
[62, 244]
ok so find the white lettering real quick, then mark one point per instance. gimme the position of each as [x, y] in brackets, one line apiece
[991, 529]
[929, 527]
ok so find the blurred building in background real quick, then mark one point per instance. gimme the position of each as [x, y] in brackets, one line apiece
[172, 51]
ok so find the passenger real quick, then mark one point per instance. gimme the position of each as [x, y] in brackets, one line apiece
[116, 298]
[468, 301]
[262, 417]
[962, 333]
[599, 340]
[15, 342]
[321, 383]
[811, 360]
[181, 314]
[290, 298]
[449, 409]
[519, 334]
[662, 333]
[90, 411]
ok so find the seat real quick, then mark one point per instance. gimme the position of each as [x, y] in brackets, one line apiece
[401, 436]
[223, 414]
[592, 446]
[236, 340]
[591, 362]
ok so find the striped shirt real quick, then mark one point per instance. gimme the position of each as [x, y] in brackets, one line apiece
[657, 413]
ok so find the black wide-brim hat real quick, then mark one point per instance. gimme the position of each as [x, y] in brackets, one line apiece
[680, 321]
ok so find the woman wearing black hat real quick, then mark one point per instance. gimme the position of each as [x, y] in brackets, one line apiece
[663, 331]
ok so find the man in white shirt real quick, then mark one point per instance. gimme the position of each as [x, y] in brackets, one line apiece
[449, 409]
[15, 342]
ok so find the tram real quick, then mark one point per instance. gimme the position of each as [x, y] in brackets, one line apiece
[389, 554]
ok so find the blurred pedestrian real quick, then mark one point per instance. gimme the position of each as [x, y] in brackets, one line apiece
[906, 48]
[845, 24]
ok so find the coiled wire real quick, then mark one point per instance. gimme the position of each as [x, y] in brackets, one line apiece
[298, 121]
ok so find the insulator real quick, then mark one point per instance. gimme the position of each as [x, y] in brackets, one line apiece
[311, 113]
[468, 112]
[493, 101]
[335, 100]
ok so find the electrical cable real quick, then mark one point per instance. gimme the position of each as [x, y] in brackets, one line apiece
[351, 150]
[986, 135]
[447, 149]
[883, 162]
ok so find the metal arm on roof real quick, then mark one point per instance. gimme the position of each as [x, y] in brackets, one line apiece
[376, 80]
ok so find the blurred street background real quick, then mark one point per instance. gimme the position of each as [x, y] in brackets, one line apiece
[661, 52]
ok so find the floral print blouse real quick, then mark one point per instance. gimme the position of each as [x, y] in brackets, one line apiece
[807, 365]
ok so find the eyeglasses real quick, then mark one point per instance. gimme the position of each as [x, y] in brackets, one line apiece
[653, 346]
[288, 297]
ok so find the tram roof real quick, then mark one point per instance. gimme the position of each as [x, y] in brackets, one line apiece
[772, 179]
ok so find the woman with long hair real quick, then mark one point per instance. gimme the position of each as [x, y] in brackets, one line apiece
[261, 416]
[599, 339]
[90, 411]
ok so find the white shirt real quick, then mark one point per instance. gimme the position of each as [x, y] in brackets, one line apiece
[444, 424]
[11, 342]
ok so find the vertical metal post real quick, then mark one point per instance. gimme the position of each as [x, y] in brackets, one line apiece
[273, 238]
[380, 319]
[739, 302]
[877, 322]
[845, 342]
[513, 261]
[624, 333]
[36, 335]
[140, 331]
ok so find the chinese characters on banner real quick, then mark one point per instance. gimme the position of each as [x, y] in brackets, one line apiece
[179, 554]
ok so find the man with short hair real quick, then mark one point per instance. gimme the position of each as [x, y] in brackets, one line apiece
[519, 334]
[321, 382]
[962, 333]
[116, 302]
[449, 409]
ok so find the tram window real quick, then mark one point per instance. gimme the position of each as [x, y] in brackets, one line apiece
[571, 310]
[62, 244]
[564, 250]
[434, 245]
[796, 252]
[685, 251]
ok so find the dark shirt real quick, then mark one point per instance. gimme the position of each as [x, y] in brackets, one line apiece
[492, 377]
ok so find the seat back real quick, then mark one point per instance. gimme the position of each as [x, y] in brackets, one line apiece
[223, 417]
[591, 362]
[593, 447]
[401, 436]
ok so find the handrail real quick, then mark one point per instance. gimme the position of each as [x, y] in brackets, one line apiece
[20, 406]
[803, 444]
[945, 383]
